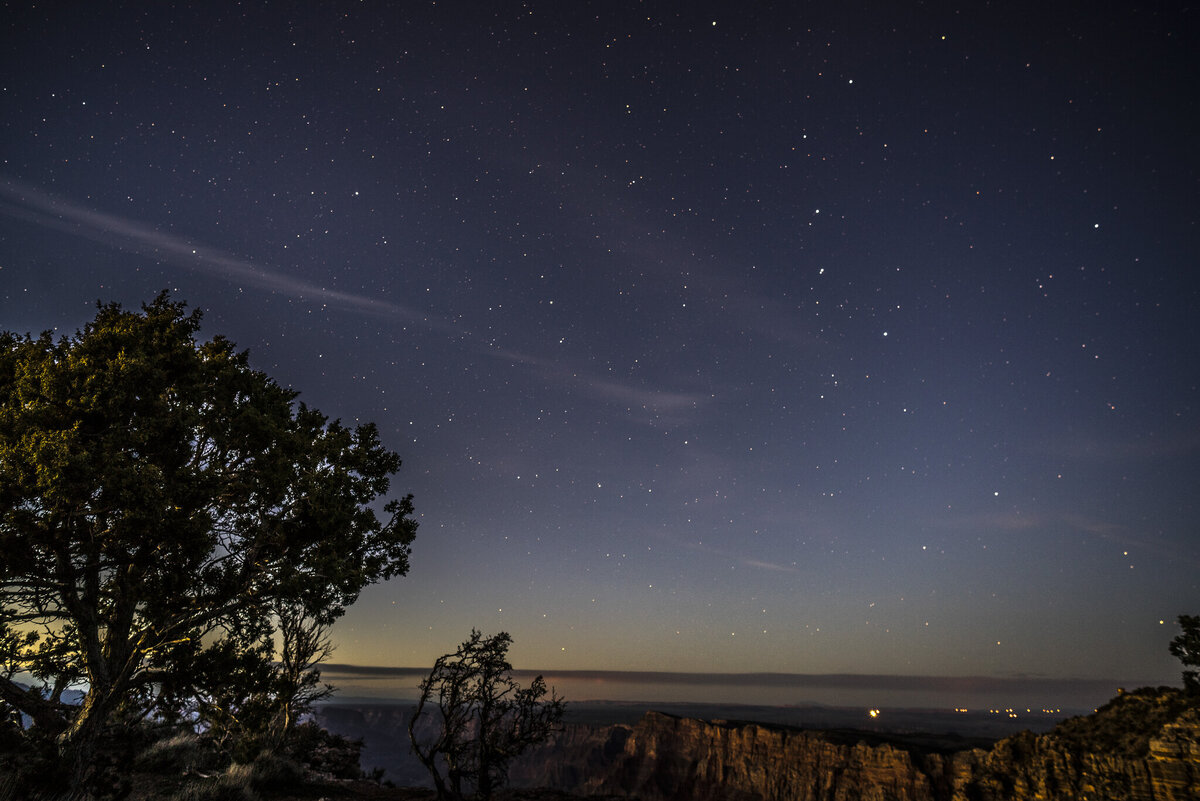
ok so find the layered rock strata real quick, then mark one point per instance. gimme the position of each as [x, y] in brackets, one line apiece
[1139, 748]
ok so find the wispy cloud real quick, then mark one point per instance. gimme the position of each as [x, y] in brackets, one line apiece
[659, 402]
[1062, 521]
[1151, 445]
[772, 566]
[38, 207]
[33, 205]
[992, 521]
[1017, 521]
[724, 553]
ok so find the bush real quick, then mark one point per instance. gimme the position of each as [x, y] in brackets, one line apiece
[322, 752]
[243, 781]
[1126, 723]
[178, 753]
[270, 772]
[30, 770]
[221, 789]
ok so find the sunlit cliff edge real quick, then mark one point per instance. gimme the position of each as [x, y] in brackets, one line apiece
[1142, 746]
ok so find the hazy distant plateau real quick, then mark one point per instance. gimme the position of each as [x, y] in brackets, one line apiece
[769, 689]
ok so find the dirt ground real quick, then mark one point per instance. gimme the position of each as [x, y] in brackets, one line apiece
[155, 788]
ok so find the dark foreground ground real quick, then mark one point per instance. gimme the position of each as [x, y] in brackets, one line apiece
[356, 791]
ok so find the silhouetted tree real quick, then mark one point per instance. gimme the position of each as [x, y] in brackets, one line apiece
[303, 645]
[246, 690]
[1186, 647]
[481, 717]
[157, 494]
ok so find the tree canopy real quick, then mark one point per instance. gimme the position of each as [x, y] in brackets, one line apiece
[158, 497]
[1186, 647]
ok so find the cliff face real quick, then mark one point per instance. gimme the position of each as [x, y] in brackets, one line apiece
[1175, 755]
[383, 728]
[668, 757]
[576, 757]
[1142, 749]
[675, 758]
[1165, 767]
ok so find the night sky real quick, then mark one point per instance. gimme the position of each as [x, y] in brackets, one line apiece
[823, 338]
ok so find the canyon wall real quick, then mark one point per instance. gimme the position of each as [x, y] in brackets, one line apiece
[677, 758]
[1140, 748]
[1165, 767]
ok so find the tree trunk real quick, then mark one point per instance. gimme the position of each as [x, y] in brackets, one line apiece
[77, 745]
[483, 783]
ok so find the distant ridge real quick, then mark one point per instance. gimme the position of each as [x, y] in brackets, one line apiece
[880, 681]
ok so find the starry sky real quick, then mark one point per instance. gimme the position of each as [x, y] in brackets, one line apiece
[802, 338]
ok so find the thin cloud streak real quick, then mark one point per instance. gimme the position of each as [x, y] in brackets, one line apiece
[634, 397]
[1065, 521]
[747, 561]
[43, 209]
[1165, 445]
[35, 206]
[772, 566]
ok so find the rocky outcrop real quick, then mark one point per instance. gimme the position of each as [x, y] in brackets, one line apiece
[1174, 757]
[1118, 758]
[574, 758]
[1141, 747]
[383, 728]
[675, 758]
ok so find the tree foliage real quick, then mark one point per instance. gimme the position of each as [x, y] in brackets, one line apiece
[163, 509]
[481, 717]
[1186, 647]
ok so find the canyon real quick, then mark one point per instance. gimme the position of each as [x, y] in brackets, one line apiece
[1141, 746]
